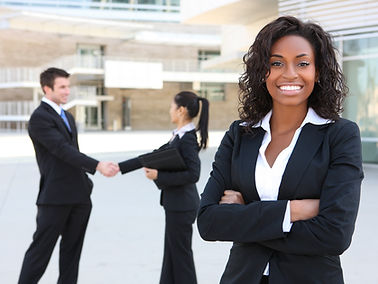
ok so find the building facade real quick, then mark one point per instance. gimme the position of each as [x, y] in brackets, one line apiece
[127, 59]
[353, 25]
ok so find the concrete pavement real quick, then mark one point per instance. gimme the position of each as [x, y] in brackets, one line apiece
[124, 241]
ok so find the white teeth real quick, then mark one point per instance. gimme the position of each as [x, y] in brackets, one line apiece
[290, 88]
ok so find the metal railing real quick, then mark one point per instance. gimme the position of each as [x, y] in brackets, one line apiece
[78, 61]
[70, 62]
[17, 108]
[174, 65]
[19, 74]
[83, 93]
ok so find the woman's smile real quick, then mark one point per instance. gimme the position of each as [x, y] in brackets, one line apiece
[290, 89]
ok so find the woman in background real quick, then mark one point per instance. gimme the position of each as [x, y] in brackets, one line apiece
[179, 195]
[285, 185]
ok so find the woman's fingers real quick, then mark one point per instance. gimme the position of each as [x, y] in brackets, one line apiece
[231, 197]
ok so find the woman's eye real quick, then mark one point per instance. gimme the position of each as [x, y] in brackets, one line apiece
[276, 63]
[304, 63]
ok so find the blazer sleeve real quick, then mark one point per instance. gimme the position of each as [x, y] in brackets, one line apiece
[330, 232]
[44, 131]
[129, 165]
[235, 222]
[189, 151]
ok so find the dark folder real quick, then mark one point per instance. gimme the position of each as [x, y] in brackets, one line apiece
[166, 159]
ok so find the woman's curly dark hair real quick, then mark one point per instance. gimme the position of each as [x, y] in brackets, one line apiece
[329, 91]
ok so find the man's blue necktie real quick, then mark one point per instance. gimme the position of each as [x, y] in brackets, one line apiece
[64, 117]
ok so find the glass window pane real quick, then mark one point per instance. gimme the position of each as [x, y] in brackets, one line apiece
[212, 91]
[362, 103]
[361, 46]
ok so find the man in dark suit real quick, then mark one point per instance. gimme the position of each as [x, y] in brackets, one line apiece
[63, 202]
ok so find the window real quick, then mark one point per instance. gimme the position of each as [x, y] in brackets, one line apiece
[207, 54]
[90, 56]
[212, 91]
[360, 61]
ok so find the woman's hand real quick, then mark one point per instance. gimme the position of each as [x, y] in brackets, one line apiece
[151, 174]
[303, 209]
[231, 197]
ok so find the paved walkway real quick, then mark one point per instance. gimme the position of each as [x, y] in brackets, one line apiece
[124, 241]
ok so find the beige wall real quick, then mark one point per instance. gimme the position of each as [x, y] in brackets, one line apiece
[143, 51]
[17, 94]
[32, 49]
[222, 113]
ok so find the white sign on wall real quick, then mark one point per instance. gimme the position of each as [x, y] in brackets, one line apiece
[133, 75]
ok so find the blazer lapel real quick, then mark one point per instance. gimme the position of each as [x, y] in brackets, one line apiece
[59, 120]
[174, 141]
[307, 145]
[249, 151]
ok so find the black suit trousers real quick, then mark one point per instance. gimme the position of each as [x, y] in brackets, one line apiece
[69, 222]
[178, 264]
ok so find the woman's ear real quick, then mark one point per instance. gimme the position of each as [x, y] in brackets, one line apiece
[183, 111]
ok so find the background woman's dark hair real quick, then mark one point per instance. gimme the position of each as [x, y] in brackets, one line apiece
[329, 91]
[191, 102]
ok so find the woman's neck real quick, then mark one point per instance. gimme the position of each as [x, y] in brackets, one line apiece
[182, 123]
[287, 119]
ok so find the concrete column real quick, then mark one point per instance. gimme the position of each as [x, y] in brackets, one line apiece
[35, 97]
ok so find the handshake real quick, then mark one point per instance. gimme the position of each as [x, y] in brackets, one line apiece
[108, 169]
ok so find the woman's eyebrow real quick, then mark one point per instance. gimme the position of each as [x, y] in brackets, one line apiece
[302, 55]
[280, 56]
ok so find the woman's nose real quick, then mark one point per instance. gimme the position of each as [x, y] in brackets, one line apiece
[290, 72]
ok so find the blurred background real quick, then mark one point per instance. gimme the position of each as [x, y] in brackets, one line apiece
[129, 57]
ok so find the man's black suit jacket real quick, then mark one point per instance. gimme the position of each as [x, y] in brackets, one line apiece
[178, 188]
[61, 165]
[325, 164]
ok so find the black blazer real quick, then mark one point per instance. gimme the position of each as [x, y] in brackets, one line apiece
[61, 165]
[325, 164]
[178, 188]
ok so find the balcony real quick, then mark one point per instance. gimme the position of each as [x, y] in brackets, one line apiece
[85, 96]
[86, 68]
[19, 77]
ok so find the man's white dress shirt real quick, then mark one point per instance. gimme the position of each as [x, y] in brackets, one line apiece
[56, 107]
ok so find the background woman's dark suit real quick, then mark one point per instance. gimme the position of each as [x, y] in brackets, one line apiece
[63, 201]
[326, 165]
[180, 199]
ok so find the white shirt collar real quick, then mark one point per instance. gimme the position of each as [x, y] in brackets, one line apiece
[311, 117]
[56, 107]
[180, 132]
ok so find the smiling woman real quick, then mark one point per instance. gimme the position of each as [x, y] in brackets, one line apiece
[286, 179]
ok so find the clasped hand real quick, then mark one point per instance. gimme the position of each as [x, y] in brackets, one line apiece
[108, 169]
[231, 197]
[151, 174]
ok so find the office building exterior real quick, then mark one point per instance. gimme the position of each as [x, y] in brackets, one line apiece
[353, 24]
[127, 59]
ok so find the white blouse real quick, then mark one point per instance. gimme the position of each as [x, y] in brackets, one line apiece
[268, 179]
